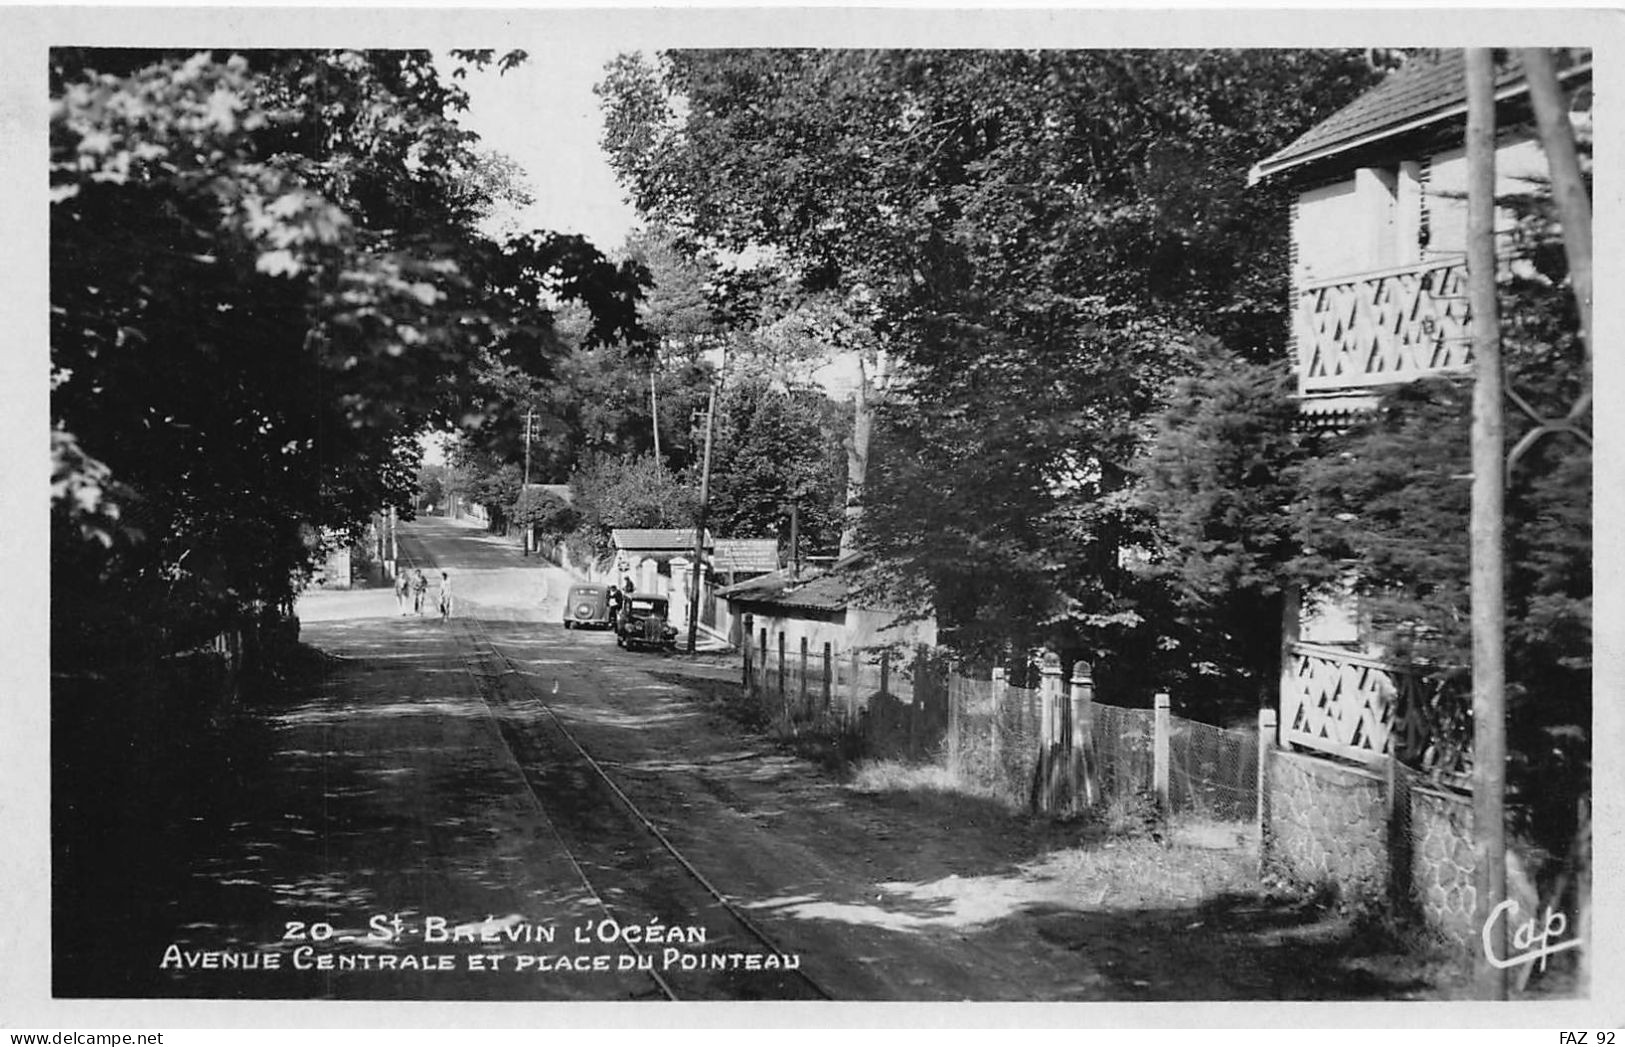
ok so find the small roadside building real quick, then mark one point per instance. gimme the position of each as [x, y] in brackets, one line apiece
[817, 607]
[644, 554]
[735, 560]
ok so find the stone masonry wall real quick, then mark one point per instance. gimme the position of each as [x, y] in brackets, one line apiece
[1442, 865]
[1326, 823]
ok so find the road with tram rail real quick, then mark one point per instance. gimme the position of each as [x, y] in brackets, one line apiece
[495, 808]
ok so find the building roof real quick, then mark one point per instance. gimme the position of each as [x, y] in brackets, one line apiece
[657, 539]
[824, 592]
[818, 588]
[1427, 90]
[745, 555]
[814, 590]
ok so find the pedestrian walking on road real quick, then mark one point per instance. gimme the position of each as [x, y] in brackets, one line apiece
[420, 589]
[445, 596]
[403, 590]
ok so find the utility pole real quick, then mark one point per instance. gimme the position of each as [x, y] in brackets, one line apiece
[654, 413]
[699, 528]
[1487, 526]
[524, 490]
[795, 540]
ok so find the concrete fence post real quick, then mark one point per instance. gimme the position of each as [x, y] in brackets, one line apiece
[1084, 785]
[1159, 749]
[748, 624]
[885, 672]
[1266, 750]
[953, 695]
[1049, 689]
[1000, 692]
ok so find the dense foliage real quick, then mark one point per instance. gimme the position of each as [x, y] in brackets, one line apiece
[266, 279]
[1041, 240]
[1220, 473]
[611, 492]
[1249, 502]
[778, 447]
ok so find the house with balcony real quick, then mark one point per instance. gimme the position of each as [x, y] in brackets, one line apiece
[1379, 224]
[1379, 297]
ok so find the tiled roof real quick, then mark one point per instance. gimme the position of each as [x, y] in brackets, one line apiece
[656, 539]
[1423, 91]
[745, 555]
[824, 593]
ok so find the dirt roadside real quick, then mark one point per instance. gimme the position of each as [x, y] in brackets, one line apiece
[898, 894]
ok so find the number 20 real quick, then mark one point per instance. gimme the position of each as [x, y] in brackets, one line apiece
[294, 931]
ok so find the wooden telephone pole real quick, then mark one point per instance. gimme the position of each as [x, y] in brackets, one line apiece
[699, 528]
[1487, 527]
[524, 490]
[654, 413]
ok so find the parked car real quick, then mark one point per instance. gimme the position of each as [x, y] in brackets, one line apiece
[588, 605]
[643, 622]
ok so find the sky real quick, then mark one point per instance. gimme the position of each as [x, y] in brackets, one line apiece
[544, 115]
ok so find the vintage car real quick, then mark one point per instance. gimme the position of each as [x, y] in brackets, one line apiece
[643, 622]
[588, 605]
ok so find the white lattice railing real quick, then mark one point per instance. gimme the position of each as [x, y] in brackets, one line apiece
[1352, 706]
[1383, 327]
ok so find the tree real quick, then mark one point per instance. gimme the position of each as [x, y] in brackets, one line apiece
[627, 492]
[266, 280]
[432, 487]
[1219, 474]
[549, 514]
[1045, 240]
[778, 447]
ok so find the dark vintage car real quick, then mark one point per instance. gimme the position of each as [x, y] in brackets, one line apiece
[643, 622]
[588, 605]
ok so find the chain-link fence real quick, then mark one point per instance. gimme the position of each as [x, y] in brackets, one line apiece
[991, 735]
[1124, 748]
[1212, 771]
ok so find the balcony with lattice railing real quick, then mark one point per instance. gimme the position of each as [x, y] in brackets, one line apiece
[1364, 709]
[1383, 327]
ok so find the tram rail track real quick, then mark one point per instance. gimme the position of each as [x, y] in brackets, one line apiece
[547, 753]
